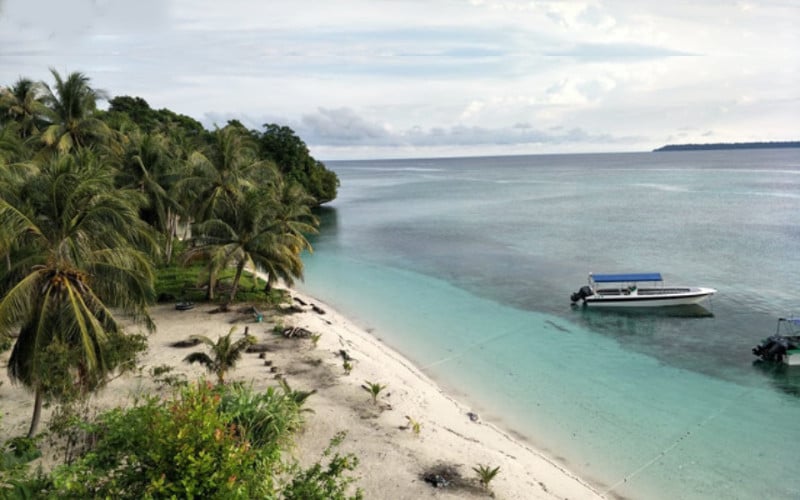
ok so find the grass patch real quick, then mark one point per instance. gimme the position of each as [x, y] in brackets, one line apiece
[176, 282]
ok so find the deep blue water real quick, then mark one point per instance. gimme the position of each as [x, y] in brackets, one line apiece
[466, 266]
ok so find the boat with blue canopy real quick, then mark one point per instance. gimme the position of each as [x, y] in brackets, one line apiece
[637, 290]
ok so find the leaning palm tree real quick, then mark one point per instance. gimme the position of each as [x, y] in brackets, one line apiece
[80, 249]
[73, 124]
[219, 177]
[265, 231]
[225, 353]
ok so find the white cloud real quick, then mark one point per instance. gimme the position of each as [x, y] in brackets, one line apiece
[369, 78]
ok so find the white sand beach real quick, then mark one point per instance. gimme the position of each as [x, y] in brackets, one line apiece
[392, 458]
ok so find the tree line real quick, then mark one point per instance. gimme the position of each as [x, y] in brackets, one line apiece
[93, 201]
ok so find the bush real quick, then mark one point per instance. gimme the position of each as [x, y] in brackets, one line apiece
[222, 442]
[327, 482]
[184, 447]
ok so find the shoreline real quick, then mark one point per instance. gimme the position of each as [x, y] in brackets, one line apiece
[392, 458]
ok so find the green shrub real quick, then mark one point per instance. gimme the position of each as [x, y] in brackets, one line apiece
[184, 447]
[267, 419]
[216, 442]
[328, 482]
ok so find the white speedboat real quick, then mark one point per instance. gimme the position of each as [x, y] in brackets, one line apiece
[784, 346]
[637, 290]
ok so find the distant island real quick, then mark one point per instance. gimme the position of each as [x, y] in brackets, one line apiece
[728, 145]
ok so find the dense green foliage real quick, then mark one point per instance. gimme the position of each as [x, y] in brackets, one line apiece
[277, 144]
[92, 204]
[207, 441]
[289, 152]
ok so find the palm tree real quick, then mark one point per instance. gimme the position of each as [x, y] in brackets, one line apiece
[222, 173]
[292, 220]
[23, 104]
[147, 165]
[80, 249]
[72, 104]
[12, 147]
[265, 231]
[220, 178]
[225, 353]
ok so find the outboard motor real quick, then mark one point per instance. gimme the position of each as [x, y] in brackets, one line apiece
[772, 349]
[585, 291]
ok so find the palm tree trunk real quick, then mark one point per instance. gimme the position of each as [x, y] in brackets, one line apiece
[212, 278]
[236, 278]
[37, 413]
[170, 236]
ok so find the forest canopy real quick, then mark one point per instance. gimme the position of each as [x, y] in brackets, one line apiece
[34, 117]
[277, 143]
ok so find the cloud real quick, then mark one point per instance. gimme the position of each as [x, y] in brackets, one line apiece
[342, 126]
[614, 51]
[414, 75]
[339, 127]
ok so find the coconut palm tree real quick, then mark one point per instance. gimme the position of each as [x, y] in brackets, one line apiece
[12, 146]
[23, 104]
[225, 353]
[72, 103]
[291, 221]
[222, 172]
[266, 231]
[147, 165]
[221, 175]
[80, 250]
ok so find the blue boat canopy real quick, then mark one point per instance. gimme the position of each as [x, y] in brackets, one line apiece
[625, 278]
[794, 321]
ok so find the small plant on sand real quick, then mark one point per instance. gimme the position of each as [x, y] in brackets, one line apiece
[485, 474]
[374, 389]
[297, 397]
[225, 353]
[315, 339]
[329, 481]
[413, 425]
[161, 375]
[348, 367]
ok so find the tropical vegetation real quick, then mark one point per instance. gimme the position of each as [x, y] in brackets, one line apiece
[93, 205]
[224, 353]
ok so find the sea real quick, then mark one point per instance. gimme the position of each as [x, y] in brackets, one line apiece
[466, 266]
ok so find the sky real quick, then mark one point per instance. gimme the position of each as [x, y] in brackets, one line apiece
[430, 78]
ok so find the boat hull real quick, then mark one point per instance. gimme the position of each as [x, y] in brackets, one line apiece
[650, 298]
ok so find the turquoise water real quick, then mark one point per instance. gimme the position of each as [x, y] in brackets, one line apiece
[466, 266]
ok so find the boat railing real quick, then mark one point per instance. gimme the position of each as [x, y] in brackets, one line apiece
[661, 291]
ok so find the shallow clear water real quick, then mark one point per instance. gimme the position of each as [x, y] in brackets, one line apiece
[466, 266]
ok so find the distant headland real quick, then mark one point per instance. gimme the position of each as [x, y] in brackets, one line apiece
[728, 145]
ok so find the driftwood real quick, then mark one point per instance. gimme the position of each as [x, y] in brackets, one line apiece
[296, 332]
[300, 301]
[317, 309]
[185, 343]
[258, 348]
[221, 309]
